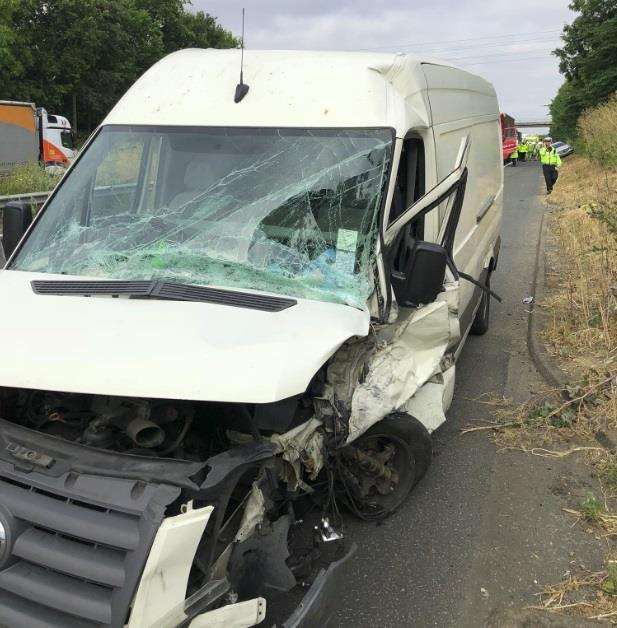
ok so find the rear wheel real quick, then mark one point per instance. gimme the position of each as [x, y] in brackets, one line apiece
[481, 321]
[379, 469]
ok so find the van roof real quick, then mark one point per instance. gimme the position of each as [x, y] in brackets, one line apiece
[195, 87]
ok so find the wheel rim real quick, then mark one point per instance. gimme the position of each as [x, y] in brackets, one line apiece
[377, 471]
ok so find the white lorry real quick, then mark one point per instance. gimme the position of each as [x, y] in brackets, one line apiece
[28, 134]
[239, 312]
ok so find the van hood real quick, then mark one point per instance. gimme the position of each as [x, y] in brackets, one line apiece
[164, 349]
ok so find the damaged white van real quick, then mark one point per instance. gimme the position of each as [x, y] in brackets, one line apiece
[238, 313]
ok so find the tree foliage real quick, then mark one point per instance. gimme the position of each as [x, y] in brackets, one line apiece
[59, 53]
[588, 60]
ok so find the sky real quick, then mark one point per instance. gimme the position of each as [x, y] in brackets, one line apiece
[506, 41]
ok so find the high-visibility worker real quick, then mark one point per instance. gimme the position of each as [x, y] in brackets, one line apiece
[550, 160]
[514, 157]
[522, 151]
[535, 149]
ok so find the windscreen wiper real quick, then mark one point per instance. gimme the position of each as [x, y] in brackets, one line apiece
[163, 290]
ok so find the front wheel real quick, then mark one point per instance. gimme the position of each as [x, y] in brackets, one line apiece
[380, 468]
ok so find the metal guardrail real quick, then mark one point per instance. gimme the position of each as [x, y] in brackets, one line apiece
[35, 198]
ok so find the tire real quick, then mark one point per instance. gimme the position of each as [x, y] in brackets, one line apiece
[481, 320]
[412, 458]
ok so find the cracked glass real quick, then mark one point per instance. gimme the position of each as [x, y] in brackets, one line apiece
[288, 211]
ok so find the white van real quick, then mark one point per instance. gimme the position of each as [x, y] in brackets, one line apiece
[239, 311]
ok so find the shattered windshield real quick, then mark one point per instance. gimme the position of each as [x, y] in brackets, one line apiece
[290, 211]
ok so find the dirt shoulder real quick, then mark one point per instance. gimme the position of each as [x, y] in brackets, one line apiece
[575, 427]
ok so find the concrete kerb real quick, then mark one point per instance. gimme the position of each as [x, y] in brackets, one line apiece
[540, 356]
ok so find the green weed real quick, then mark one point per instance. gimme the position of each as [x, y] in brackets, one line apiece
[592, 508]
[610, 582]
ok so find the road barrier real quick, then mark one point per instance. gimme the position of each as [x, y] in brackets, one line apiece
[36, 199]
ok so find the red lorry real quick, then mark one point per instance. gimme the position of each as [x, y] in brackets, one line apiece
[509, 135]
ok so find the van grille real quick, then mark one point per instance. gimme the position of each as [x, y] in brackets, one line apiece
[71, 559]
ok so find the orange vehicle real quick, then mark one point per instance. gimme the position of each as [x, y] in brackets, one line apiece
[28, 134]
[509, 135]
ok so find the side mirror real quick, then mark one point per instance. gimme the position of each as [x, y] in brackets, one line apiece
[420, 274]
[16, 218]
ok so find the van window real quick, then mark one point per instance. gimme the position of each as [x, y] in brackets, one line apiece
[409, 187]
[293, 211]
[116, 176]
[410, 181]
[66, 137]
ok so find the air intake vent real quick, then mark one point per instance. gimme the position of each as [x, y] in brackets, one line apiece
[92, 288]
[163, 290]
[181, 292]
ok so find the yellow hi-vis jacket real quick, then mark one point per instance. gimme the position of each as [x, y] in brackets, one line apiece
[522, 148]
[514, 153]
[549, 157]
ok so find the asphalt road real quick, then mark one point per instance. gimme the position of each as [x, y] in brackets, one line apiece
[483, 529]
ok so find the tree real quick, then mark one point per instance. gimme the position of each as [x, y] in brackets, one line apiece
[81, 55]
[182, 29]
[8, 63]
[588, 59]
[566, 108]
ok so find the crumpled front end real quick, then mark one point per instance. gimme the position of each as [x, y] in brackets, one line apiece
[156, 512]
[405, 366]
[99, 538]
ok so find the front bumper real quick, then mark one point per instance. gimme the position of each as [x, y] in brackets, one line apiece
[320, 602]
[81, 526]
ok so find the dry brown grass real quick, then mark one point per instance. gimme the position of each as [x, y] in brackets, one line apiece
[582, 181]
[581, 309]
[581, 333]
[584, 593]
[598, 132]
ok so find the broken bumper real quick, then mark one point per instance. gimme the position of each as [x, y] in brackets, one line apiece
[78, 545]
[320, 602]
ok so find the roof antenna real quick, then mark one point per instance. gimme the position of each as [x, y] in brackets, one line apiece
[241, 88]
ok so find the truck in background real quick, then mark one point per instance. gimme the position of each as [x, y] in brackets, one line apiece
[57, 144]
[29, 134]
[509, 135]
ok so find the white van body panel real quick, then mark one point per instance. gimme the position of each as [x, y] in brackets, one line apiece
[273, 356]
[463, 104]
[286, 89]
[165, 349]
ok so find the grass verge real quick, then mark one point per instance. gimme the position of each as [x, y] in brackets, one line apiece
[580, 332]
[29, 177]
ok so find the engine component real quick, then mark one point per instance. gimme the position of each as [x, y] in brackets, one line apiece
[375, 466]
[99, 433]
[145, 433]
